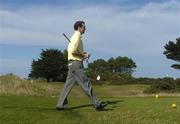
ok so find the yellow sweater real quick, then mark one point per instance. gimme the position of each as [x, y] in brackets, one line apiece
[75, 45]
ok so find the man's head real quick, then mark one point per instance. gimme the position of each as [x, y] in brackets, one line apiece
[80, 26]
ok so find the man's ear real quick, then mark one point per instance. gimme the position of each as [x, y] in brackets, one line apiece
[79, 28]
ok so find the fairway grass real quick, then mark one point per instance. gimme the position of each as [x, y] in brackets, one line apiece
[121, 110]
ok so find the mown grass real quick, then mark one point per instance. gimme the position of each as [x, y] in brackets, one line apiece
[121, 110]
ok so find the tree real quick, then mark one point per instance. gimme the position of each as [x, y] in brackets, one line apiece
[121, 65]
[113, 65]
[98, 65]
[52, 65]
[173, 52]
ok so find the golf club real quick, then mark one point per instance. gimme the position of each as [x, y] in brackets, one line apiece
[87, 59]
[66, 37]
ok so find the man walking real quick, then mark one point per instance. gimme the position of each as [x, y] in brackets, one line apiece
[76, 73]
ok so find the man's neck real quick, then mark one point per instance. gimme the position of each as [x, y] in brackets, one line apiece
[78, 32]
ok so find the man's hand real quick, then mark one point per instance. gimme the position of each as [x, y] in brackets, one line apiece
[86, 55]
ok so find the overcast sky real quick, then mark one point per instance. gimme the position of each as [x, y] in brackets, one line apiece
[136, 29]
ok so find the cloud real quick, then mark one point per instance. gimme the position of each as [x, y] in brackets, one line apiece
[144, 29]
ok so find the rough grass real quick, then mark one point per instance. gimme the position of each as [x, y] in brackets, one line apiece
[13, 85]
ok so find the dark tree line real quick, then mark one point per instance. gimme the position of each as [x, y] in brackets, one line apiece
[52, 65]
[113, 65]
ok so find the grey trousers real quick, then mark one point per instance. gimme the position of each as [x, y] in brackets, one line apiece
[76, 74]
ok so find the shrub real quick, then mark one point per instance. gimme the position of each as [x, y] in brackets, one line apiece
[163, 85]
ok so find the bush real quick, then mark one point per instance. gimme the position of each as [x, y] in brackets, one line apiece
[164, 85]
[121, 78]
[150, 90]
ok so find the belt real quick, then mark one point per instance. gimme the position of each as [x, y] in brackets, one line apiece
[74, 60]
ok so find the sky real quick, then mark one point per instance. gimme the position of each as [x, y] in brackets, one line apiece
[136, 29]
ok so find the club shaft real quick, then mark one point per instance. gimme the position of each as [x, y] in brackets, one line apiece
[66, 37]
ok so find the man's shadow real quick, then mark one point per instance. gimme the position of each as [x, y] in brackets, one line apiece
[110, 103]
[91, 105]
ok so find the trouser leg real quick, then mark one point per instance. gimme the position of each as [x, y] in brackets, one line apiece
[70, 81]
[84, 82]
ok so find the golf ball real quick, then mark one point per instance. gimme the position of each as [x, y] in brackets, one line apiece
[173, 105]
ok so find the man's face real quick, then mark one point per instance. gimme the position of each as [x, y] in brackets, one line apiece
[82, 29]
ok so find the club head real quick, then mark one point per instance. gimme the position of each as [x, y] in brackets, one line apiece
[87, 61]
[98, 78]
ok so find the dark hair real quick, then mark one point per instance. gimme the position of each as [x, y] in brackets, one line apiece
[78, 24]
